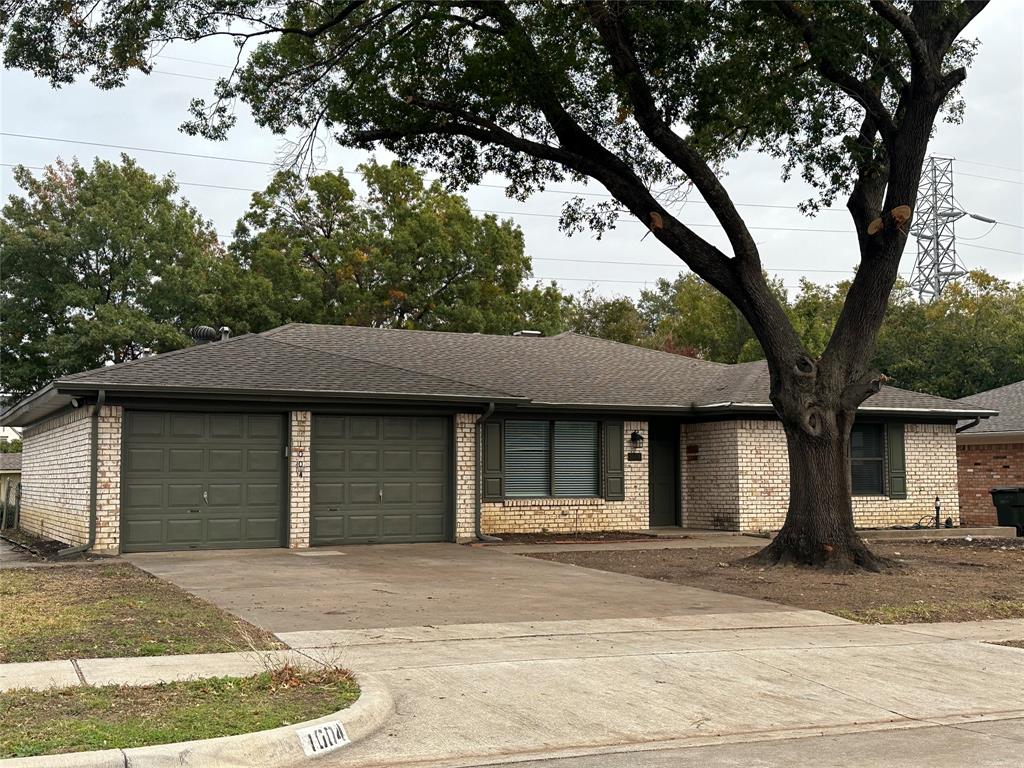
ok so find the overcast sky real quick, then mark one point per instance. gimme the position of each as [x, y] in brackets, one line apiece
[147, 112]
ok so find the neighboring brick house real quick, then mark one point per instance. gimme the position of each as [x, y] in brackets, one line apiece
[990, 454]
[312, 435]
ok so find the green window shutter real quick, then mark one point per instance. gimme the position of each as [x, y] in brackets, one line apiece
[576, 458]
[897, 460]
[494, 470]
[614, 468]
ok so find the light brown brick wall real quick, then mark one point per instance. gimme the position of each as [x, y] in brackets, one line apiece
[549, 514]
[749, 489]
[55, 478]
[982, 467]
[709, 453]
[108, 481]
[299, 458]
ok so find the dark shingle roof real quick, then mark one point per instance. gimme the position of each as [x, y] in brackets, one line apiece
[10, 462]
[1008, 400]
[568, 369]
[348, 362]
[262, 364]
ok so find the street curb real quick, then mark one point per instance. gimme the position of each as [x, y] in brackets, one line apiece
[278, 747]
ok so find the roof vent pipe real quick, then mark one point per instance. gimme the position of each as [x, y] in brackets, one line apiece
[201, 334]
[225, 333]
[526, 332]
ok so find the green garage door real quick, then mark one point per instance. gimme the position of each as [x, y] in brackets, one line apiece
[379, 479]
[202, 481]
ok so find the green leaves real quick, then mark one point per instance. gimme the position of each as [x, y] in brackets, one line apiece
[99, 266]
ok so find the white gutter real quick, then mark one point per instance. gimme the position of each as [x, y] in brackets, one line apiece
[880, 408]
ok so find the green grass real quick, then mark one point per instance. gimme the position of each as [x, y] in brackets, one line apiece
[918, 612]
[109, 717]
[90, 611]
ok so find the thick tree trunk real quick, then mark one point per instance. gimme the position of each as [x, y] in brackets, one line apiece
[817, 412]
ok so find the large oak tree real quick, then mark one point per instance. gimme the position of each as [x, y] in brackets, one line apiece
[643, 98]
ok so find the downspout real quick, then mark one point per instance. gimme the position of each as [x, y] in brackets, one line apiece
[478, 493]
[968, 425]
[101, 397]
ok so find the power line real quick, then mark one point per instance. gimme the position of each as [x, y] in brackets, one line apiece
[680, 265]
[990, 178]
[990, 165]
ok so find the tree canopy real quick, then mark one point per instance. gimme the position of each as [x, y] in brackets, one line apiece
[100, 265]
[411, 255]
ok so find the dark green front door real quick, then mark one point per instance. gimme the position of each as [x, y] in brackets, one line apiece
[379, 479]
[202, 481]
[663, 468]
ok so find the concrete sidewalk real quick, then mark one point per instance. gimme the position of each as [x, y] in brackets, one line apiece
[491, 694]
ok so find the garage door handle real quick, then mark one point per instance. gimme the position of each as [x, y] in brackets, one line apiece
[381, 494]
[206, 497]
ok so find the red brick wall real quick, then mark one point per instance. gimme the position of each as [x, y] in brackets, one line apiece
[982, 467]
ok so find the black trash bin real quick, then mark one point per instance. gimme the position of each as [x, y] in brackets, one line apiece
[1010, 506]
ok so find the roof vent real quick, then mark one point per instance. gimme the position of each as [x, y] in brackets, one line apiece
[201, 334]
[225, 333]
[528, 333]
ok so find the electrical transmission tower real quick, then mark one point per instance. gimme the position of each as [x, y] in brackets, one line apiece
[934, 226]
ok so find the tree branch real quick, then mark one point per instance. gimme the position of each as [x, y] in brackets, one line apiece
[856, 89]
[920, 58]
[607, 19]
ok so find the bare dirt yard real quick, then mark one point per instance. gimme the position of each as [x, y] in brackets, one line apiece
[948, 580]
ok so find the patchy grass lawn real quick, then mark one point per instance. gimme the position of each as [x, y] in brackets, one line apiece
[108, 717]
[952, 580]
[91, 611]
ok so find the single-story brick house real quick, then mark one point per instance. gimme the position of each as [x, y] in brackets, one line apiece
[990, 454]
[307, 435]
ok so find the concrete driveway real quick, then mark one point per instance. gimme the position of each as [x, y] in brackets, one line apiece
[404, 585]
[494, 658]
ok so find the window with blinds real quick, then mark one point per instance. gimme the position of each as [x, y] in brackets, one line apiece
[867, 463]
[552, 458]
[576, 470]
[527, 458]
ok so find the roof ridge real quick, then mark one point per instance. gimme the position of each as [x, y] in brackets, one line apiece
[158, 355]
[392, 366]
[408, 330]
[993, 390]
[672, 355]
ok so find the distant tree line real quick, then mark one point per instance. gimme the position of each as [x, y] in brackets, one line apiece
[107, 264]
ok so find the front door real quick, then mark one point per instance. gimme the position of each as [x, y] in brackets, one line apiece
[663, 468]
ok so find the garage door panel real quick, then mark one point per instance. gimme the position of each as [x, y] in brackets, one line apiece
[328, 493]
[397, 460]
[184, 494]
[375, 477]
[265, 427]
[184, 459]
[184, 530]
[262, 494]
[142, 495]
[173, 457]
[363, 526]
[141, 424]
[362, 493]
[226, 459]
[430, 493]
[396, 492]
[328, 461]
[430, 461]
[186, 425]
[431, 429]
[396, 525]
[397, 429]
[145, 532]
[144, 460]
[363, 428]
[227, 425]
[363, 461]
[224, 494]
[430, 525]
[220, 529]
[258, 460]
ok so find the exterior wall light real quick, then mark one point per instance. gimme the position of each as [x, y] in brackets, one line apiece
[637, 439]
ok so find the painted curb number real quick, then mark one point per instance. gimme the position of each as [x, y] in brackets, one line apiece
[325, 737]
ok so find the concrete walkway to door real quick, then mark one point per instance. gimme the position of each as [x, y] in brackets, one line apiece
[404, 585]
